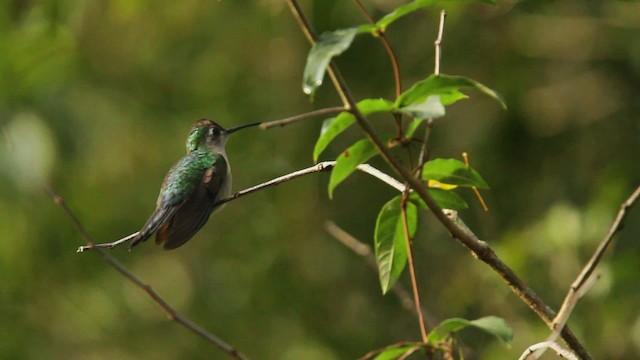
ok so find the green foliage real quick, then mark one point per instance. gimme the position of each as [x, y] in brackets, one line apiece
[330, 44]
[491, 324]
[427, 97]
[390, 242]
[332, 127]
[454, 172]
[349, 160]
[446, 199]
[396, 351]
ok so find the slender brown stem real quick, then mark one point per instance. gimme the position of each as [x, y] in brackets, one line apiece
[412, 270]
[394, 64]
[292, 119]
[171, 313]
[479, 248]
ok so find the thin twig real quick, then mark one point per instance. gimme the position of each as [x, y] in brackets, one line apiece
[587, 277]
[479, 248]
[438, 43]
[171, 313]
[410, 263]
[323, 166]
[424, 151]
[292, 119]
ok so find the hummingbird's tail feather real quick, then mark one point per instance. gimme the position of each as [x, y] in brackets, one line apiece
[156, 220]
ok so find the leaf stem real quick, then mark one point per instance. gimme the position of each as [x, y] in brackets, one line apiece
[412, 270]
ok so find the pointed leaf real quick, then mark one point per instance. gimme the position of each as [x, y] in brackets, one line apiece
[492, 324]
[395, 352]
[454, 172]
[448, 87]
[403, 10]
[445, 199]
[349, 160]
[334, 126]
[390, 243]
[329, 44]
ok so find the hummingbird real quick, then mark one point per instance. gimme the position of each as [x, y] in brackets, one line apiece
[192, 187]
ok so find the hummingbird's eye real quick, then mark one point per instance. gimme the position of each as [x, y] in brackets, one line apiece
[214, 131]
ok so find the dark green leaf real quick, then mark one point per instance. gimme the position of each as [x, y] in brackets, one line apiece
[448, 87]
[390, 242]
[446, 199]
[334, 126]
[349, 160]
[329, 44]
[454, 172]
[394, 352]
[330, 129]
[493, 325]
[403, 10]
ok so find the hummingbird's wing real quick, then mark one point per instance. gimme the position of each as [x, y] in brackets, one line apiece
[186, 199]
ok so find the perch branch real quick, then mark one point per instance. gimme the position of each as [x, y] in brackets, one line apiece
[171, 313]
[479, 248]
[323, 166]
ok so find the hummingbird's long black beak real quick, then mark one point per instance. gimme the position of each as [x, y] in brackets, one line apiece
[234, 129]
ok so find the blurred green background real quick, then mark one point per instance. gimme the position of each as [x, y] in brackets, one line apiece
[96, 99]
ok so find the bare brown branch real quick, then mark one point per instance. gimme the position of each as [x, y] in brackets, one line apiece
[171, 313]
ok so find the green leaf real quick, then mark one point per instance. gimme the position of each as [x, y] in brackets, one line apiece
[349, 160]
[370, 106]
[448, 87]
[396, 351]
[453, 171]
[403, 10]
[390, 243]
[329, 44]
[446, 199]
[332, 127]
[430, 107]
[492, 324]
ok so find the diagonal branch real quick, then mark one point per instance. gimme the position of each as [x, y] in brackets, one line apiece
[171, 313]
[586, 278]
[479, 248]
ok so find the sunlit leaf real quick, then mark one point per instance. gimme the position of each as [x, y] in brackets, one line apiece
[454, 172]
[390, 242]
[329, 44]
[445, 199]
[491, 324]
[403, 10]
[447, 87]
[430, 107]
[349, 160]
[334, 126]
[395, 352]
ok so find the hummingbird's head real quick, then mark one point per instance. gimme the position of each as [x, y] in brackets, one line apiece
[209, 135]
